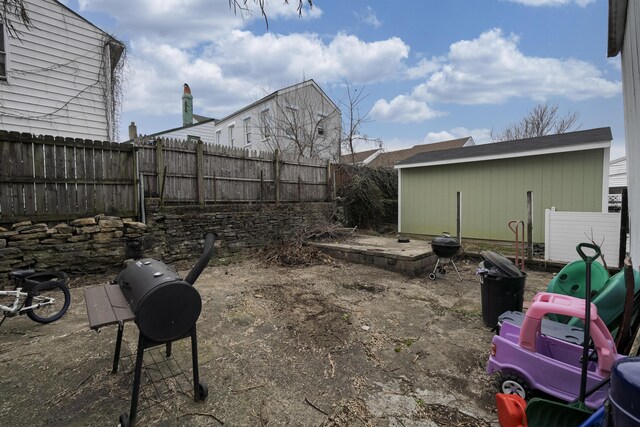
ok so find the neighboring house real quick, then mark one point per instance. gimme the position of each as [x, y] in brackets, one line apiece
[57, 75]
[361, 157]
[380, 158]
[299, 119]
[624, 25]
[567, 171]
[617, 175]
[389, 159]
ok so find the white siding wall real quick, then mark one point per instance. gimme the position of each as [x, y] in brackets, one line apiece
[205, 131]
[618, 173]
[631, 95]
[54, 84]
[565, 230]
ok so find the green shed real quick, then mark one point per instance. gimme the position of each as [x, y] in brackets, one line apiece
[567, 171]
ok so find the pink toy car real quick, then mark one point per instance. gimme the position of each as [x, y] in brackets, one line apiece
[528, 360]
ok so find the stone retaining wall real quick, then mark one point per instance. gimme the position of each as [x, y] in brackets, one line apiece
[102, 243]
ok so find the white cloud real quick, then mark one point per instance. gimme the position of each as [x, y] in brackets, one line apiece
[492, 70]
[403, 109]
[188, 23]
[222, 81]
[581, 3]
[369, 17]
[345, 57]
[480, 136]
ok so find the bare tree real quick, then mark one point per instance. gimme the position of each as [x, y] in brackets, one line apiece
[353, 120]
[542, 120]
[303, 122]
[243, 7]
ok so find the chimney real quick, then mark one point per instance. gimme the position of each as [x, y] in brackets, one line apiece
[187, 106]
[133, 130]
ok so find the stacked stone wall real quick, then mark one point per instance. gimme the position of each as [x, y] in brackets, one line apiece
[103, 243]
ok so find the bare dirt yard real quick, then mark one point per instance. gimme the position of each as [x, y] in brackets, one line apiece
[335, 344]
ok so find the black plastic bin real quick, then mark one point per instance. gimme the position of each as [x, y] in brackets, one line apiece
[501, 287]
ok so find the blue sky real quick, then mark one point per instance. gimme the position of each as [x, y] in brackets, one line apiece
[432, 70]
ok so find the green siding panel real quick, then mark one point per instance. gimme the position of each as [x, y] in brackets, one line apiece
[495, 192]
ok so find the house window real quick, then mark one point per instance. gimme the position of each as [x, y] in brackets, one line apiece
[231, 138]
[291, 124]
[321, 120]
[218, 136]
[247, 130]
[264, 124]
[3, 55]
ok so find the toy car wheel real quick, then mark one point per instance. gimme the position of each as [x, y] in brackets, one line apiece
[513, 384]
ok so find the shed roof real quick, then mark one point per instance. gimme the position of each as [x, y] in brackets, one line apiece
[549, 144]
[390, 158]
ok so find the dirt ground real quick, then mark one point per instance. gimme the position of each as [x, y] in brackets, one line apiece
[336, 344]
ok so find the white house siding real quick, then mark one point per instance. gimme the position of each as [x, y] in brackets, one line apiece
[274, 103]
[55, 85]
[631, 95]
[565, 230]
[204, 131]
[618, 173]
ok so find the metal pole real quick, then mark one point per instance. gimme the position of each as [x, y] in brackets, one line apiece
[459, 216]
[529, 225]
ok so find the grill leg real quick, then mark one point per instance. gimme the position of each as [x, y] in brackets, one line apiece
[136, 380]
[116, 356]
[168, 349]
[194, 361]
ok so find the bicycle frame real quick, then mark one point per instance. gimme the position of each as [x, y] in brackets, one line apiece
[16, 307]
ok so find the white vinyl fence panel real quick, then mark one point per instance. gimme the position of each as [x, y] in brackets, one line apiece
[565, 230]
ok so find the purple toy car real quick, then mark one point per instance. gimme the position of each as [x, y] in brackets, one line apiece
[527, 360]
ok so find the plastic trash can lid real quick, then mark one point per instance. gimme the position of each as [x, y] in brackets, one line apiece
[502, 264]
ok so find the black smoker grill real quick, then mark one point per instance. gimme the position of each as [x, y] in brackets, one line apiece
[445, 247]
[164, 307]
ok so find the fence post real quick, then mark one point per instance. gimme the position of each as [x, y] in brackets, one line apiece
[277, 175]
[138, 199]
[328, 188]
[261, 186]
[200, 166]
[299, 189]
[160, 171]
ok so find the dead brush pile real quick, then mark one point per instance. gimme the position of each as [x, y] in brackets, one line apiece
[294, 252]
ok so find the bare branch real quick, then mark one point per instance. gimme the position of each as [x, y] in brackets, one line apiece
[242, 6]
[540, 121]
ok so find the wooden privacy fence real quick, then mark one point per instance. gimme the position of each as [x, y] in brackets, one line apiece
[48, 179]
[193, 172]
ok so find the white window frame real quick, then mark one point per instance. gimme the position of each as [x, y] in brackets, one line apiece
[3, 52]
[321, 124]
[246, 124]
[231, 137]
[219, 137]
[266, 129]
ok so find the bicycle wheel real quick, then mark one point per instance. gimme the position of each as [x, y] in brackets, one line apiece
[56, 299]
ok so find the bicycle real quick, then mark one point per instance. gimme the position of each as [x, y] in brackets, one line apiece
[44, 297]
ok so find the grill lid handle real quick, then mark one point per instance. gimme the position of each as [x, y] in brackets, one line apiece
[203, 261]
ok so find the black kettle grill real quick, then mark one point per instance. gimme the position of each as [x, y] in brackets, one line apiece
[164, 307]
[445, 247]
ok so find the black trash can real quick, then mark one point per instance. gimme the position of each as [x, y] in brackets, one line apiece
[623, 409]
[501, 287]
